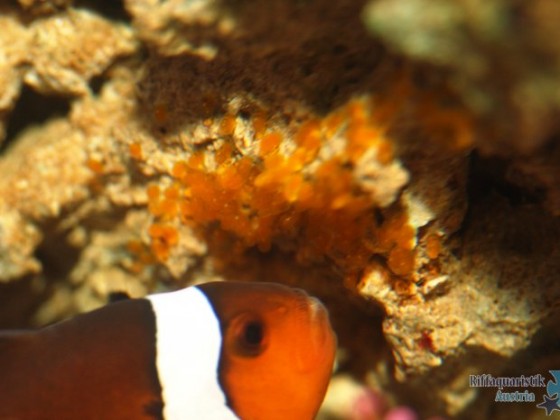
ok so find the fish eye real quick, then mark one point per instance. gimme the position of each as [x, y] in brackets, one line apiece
[253, 333]
[250, 337]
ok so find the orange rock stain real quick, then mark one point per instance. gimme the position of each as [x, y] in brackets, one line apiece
[95, 166]
[160, 114]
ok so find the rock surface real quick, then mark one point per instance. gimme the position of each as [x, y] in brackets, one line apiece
[407, 175]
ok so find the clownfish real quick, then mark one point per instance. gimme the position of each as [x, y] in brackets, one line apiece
[216, 351]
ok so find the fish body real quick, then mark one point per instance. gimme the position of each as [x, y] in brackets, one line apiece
[217, 351]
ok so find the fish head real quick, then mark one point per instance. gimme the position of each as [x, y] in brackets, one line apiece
[278, 349]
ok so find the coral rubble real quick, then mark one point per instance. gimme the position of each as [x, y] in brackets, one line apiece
[390, 172]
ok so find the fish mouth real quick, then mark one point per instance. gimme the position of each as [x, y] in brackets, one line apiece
[320, 317]
[321, 337]
[317, 312]
[316, 307]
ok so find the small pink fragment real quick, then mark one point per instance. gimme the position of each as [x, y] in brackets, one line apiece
[401, 413]
[368, 406]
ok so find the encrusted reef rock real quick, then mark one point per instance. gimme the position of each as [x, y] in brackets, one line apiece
[397, 159]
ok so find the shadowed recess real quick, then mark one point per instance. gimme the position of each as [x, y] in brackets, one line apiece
[273, 58]
[33, 108]
[111, 9]
[19, 300]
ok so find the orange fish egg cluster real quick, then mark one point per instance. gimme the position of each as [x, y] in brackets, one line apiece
[163, 237]
[142, 256]
[433, 246]
[449, 126]
[304, 194]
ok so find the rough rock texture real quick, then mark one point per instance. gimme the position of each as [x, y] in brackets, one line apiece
[502, 58]
[407, 176]
[507, 78]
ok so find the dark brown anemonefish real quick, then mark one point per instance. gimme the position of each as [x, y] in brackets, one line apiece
[216, 351]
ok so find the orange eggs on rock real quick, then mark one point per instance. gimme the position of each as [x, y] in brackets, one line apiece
[303, 185]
